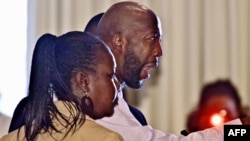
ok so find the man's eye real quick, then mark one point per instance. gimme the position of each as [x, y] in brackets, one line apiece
[151, 39]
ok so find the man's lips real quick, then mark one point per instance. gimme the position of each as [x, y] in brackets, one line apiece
[150, 65]
[145, 70]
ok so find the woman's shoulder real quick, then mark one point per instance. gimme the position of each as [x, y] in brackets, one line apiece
[94, 131]
[14, 135]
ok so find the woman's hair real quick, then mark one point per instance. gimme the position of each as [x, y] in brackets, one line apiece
[220, 87]
[55, 60]
[213, 89]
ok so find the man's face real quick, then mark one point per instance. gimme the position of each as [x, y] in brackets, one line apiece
[143, 52]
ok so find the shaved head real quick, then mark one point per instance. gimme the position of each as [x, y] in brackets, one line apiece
[133, 33]
[121, 17]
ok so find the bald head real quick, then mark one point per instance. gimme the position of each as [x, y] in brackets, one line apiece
[124, 17]
[133, 33]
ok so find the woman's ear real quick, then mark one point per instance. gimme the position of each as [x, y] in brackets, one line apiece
[82, 79]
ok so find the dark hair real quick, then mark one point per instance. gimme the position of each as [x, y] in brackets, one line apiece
[18, 117]
[55, 59]
[91, 26]
[220, 87]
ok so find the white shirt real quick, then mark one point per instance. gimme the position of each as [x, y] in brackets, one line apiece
[126, 124]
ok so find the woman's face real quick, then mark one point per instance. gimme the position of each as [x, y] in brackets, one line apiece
[103, 89]
[220, 105]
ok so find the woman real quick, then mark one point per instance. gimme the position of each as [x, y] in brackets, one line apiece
[72, 82]
[219, 102]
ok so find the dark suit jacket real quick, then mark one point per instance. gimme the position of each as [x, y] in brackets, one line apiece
[138, 115]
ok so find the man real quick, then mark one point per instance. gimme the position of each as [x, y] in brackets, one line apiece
[133, 33]
[91, 28]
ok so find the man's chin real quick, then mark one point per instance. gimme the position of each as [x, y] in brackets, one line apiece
[136, 85]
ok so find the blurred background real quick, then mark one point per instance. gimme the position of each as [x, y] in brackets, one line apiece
[203, 40]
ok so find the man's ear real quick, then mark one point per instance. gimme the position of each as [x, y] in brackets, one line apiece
[82, 79]
[117, 42]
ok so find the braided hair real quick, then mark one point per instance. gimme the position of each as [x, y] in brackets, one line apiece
[55, 59]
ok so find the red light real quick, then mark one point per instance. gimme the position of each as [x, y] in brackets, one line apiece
[216, 119]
